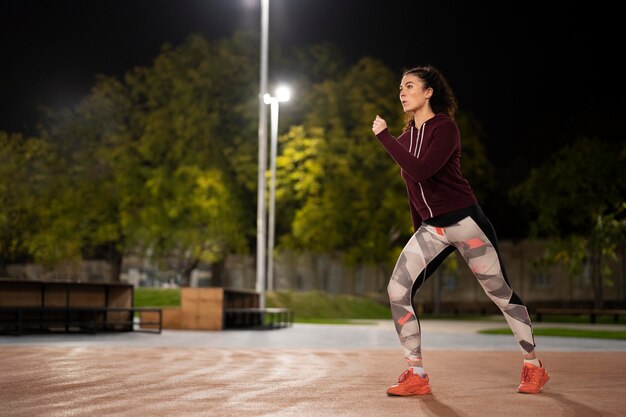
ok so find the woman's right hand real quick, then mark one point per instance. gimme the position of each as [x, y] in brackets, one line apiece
[379, 125]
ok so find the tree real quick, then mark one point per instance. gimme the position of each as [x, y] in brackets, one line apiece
[78, 212]
[20, 180]
[152, 163]
[578, 199]
[333, 176]
[186, 158]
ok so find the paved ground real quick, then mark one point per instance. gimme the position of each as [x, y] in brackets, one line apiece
[95, 381]
[437, 334]
[250, 374]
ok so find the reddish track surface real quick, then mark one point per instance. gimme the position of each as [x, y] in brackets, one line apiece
[87, 381]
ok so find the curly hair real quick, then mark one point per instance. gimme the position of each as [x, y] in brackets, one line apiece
[442, 100]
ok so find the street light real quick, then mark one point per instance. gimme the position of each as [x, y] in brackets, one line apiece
[260, 215]
[282, 94]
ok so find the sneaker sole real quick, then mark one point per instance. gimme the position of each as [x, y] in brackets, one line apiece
[422, 392]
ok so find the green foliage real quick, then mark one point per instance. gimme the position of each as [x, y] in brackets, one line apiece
[578, 183]
[21, 178]
[184, 199]
[148, 163]
[333, 175]
[575, 251]
[78, 205]
[578, 197]
[192, 215]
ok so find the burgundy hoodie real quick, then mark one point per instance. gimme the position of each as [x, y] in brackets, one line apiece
[430, 162]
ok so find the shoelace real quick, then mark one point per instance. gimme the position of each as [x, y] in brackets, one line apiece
[530, 375]
[404, 375]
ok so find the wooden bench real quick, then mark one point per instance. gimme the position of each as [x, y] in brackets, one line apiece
[52, 306]
[593, 313]
[20, 320]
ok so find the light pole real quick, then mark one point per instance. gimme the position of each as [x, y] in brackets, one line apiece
[260, 214]
[282, 95]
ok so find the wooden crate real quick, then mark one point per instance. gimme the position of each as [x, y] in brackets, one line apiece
[202, 308]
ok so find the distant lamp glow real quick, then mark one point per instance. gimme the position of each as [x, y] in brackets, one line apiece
[283, 93]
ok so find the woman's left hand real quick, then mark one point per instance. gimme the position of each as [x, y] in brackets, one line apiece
[379, 125]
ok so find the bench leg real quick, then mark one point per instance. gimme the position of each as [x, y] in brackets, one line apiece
[18, 325]
[593, 318]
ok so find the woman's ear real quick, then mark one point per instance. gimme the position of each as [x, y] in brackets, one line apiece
[429, 92]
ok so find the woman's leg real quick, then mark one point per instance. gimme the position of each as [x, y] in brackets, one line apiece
[419, 258]
[476, 240]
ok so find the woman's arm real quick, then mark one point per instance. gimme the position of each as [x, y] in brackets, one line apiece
[445, 139]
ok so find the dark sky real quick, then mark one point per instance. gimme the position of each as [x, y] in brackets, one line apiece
[535, 75]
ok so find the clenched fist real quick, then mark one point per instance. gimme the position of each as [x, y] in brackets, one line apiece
[379, 125]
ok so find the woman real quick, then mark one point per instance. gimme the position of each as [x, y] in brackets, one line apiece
[446, 217]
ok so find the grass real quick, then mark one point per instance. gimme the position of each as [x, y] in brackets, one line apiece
[583, 318]
[157, 297]
[563, 332]
[321, 307]
[580, 319]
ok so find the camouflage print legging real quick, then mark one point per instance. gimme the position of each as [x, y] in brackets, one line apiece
[474, 238]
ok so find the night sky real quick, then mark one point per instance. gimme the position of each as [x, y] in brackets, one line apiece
[534, 75]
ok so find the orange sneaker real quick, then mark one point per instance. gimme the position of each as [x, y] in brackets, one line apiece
[410, 384]
[533, 379]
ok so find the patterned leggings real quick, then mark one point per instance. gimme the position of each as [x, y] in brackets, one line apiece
[475, 239]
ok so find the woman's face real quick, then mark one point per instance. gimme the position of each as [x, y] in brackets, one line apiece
[413, 96]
